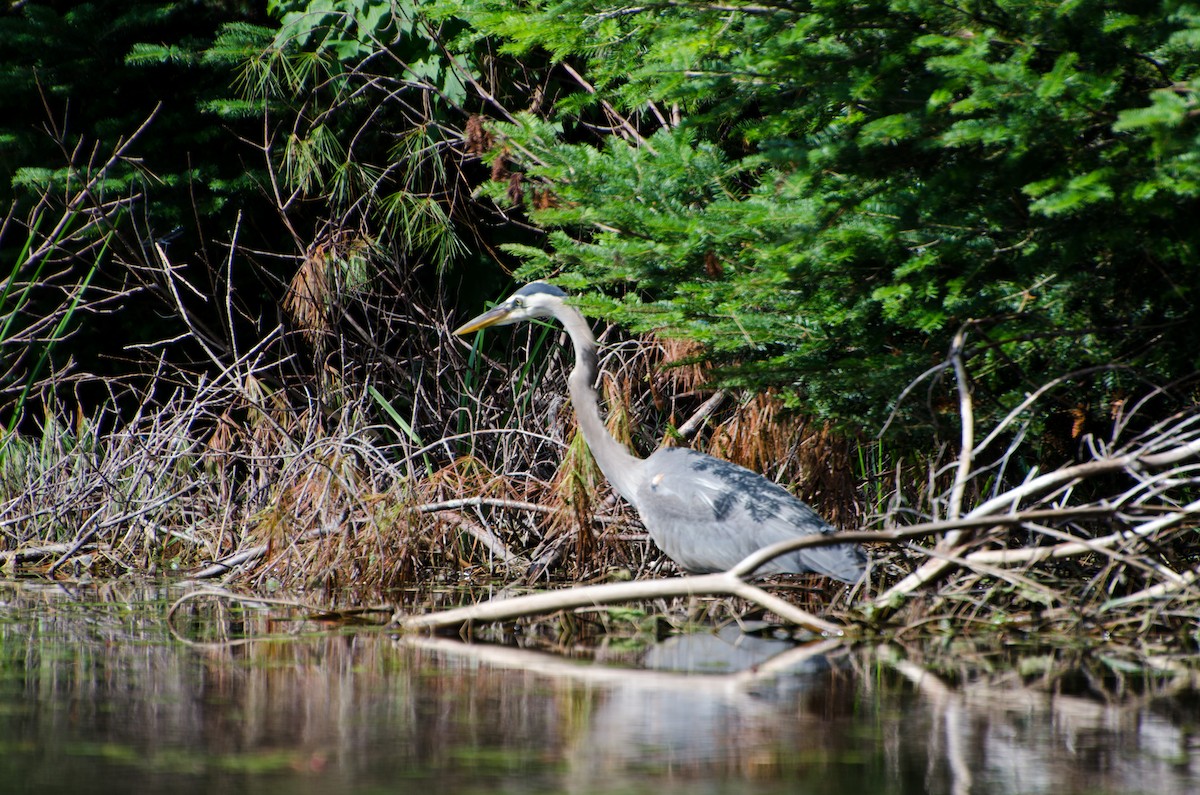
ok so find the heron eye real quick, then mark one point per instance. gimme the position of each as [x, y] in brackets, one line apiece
[518, 302]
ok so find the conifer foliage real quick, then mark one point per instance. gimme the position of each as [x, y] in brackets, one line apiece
[822, 194]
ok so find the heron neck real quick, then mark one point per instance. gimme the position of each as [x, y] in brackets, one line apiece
[616, 462]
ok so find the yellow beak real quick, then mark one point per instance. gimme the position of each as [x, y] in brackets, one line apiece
[488, 318]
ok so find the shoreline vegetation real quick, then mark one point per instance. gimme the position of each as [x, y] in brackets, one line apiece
[230, 479]
[938, 284]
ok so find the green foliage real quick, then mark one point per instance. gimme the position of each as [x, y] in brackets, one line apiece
[364, 90]
[348, 30]
[849, 184]
[33, 326]
[351, 31]
[821, 194]
[77, 78]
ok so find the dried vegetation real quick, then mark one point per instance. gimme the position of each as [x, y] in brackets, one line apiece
[357, 451]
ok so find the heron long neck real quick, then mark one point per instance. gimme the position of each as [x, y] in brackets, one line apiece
[617, 463]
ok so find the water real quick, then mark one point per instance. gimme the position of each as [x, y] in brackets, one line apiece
[97, 696]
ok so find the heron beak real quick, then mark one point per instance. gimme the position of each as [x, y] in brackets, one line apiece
[488, 318]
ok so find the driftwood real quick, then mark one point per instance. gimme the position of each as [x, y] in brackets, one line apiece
[1156, 466]
[729, 583]
[723, 584]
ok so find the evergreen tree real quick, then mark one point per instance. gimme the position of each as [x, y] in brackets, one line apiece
[823, 194]
[79, 82]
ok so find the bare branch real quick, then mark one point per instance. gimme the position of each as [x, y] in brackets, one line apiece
[1129, 462]
[725, 584]
[966, 413]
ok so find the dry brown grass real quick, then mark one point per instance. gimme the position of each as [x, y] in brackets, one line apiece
[278, 487]
[366, 451]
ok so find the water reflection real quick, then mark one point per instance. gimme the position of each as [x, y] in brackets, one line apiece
[96, 696]
[729, 649]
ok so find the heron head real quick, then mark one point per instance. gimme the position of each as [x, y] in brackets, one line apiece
[536, 299]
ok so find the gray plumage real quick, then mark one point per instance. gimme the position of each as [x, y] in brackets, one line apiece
[706, 514]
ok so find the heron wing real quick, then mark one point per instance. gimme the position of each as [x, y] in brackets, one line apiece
[708, 514]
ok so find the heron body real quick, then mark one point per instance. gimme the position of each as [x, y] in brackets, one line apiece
[705, 513]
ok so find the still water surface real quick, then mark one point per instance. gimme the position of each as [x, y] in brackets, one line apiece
[97, 696]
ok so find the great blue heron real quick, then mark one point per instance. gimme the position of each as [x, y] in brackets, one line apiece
[705, 513]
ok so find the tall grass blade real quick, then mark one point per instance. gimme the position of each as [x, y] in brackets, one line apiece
[403, 425]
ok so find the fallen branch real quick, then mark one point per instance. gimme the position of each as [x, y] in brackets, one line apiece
[227, 564]
[9, 559]
[494, 545]
[733, 582]
[693, 424]
[1084, 545]
[1164, 590]
[92, 525]
[1140, 459]
[722, 584]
